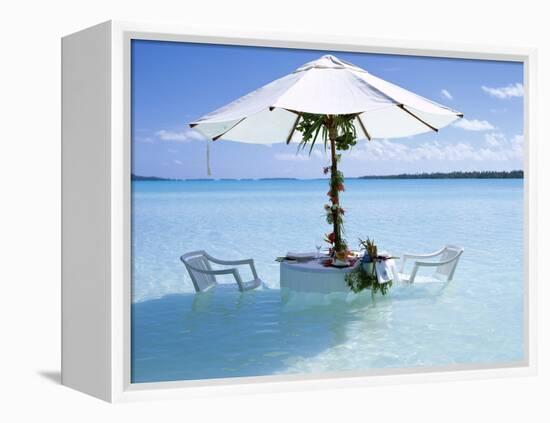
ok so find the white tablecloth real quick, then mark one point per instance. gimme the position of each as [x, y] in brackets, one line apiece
[313, 281]
[312, 276]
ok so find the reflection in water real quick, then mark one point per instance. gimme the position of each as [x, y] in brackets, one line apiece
[225, 333]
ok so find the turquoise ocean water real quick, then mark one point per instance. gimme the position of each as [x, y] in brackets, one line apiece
[177, 335]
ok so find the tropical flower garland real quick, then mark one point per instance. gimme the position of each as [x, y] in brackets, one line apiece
[340, 131]
[335, 211]
[363, 276]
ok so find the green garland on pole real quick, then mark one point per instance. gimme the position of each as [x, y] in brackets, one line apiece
[339, 131]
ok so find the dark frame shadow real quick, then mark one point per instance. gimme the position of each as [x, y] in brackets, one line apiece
[53, 376]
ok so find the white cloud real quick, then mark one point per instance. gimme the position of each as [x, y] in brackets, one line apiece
[318, 154]
[473, 125]
[183, 136]
[512, 90]
[291, 157]
[177, 162]
[302, 155]
[495, 139]
[446, 94]
[144, 139]
[497, 148]
[518, 139]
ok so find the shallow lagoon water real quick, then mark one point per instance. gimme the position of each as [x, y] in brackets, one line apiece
[176, 335]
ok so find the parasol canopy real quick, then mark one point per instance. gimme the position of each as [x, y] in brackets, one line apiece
[327, 86]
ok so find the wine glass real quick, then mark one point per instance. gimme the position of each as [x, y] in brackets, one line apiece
[318, 246]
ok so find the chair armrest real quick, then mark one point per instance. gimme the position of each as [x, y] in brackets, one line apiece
[427, 263]
[435, 263]
[227, 262]
[250, 262]
[418, 264]
[232, 271]
[420, 256]
[406, 256]
[235, 262]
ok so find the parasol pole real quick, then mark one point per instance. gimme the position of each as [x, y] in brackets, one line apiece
[334, 193]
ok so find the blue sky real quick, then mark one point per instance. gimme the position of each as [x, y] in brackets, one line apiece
[175, 83]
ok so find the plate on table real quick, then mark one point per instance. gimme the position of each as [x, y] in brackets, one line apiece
[300, 256]
[340, 266]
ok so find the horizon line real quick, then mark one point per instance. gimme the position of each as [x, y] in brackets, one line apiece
[505, 174]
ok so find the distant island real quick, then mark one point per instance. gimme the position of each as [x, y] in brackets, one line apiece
[150, 178]
[513, 174]
[277, 179]
[158, 178]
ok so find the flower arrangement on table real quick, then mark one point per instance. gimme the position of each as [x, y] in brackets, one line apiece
[364, 276]
[338, 257]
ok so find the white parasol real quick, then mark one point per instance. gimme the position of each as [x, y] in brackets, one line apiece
[328, 86]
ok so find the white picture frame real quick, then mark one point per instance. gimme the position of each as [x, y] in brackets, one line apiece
[96, 277]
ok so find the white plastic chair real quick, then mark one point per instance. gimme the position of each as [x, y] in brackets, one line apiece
[204, 277]
[445, 266]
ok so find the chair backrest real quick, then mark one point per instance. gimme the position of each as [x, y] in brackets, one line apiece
[446, 271]
[198, 260]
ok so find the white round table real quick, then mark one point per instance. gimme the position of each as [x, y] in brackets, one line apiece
[311, 282]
